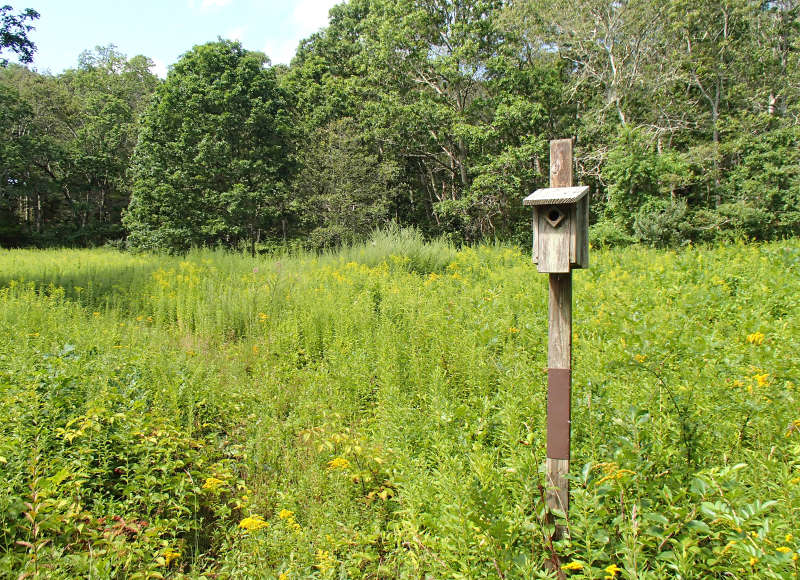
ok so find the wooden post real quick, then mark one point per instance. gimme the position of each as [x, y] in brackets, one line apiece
[561, 243]
[559, 358]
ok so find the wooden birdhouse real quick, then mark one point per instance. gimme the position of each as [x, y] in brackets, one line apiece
[560, 228]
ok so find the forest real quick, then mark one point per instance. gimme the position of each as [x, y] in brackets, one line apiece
[427, 113]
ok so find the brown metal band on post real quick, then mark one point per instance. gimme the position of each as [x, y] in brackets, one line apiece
[558, 413]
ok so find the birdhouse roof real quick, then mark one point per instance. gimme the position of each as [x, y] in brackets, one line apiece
[556, 195]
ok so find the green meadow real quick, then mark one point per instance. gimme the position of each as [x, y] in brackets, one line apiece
[380, 413]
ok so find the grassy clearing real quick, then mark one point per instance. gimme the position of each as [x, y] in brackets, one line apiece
[379, 413]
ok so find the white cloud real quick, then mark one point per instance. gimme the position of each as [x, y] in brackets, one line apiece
[280, 52]
[307, 17]
[311, 15]
[159, 68]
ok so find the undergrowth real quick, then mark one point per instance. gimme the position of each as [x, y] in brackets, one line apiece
[379, 413]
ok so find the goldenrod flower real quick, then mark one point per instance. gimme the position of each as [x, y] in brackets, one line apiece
[784, 549]
[288, 515]
[612, 571]
[170, 555]
[574, 565]
[339, 463]
[213, 484]
[253, 523]
[325, 561]
[756, 338]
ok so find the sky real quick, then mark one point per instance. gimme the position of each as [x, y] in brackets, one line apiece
[164, 29]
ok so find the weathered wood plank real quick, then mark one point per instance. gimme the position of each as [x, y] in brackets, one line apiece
[559, 334]
[551, 195]
[559, 347]
[553, 246]
[557, 494]
[561, 163]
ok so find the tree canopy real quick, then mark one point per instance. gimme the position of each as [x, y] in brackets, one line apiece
[14, 29]
[433, 113]
[212, 161]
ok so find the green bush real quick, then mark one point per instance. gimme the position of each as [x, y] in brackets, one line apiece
[607, 233]
[662, 223]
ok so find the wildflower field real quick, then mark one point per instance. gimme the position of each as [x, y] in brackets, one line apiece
[380, 413]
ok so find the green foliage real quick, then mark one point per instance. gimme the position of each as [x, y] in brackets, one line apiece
[661, 223]
[226, 415]
[14, 29]
[431, 114]
[766, 178]
[67, 182]
[345, 190]
[606, 233]
[211, 163]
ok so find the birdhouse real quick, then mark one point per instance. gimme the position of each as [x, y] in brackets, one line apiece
[560, 228]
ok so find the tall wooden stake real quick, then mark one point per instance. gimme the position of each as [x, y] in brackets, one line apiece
[559, 358]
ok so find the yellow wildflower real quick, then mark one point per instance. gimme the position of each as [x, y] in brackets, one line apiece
[640, 358]
[784, 549]
[574, 565]
[753, 560]
[338, 463]
[253, 523]
[325, 561]
[612, 571]
[288, 515]
[756, 338]
[612, 472]
[728, 546]
[213, 484]
[283, 576]
[789, 538]
[96, 314]
[762, 379]
[170, 555]
[262, 317]
[793, 426]
[513, 329]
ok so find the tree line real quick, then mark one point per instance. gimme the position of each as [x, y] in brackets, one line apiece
[431, 113]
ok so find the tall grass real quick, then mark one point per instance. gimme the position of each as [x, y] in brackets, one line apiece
[382, 410]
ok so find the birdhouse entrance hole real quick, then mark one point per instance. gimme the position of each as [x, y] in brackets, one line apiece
[554, 216]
